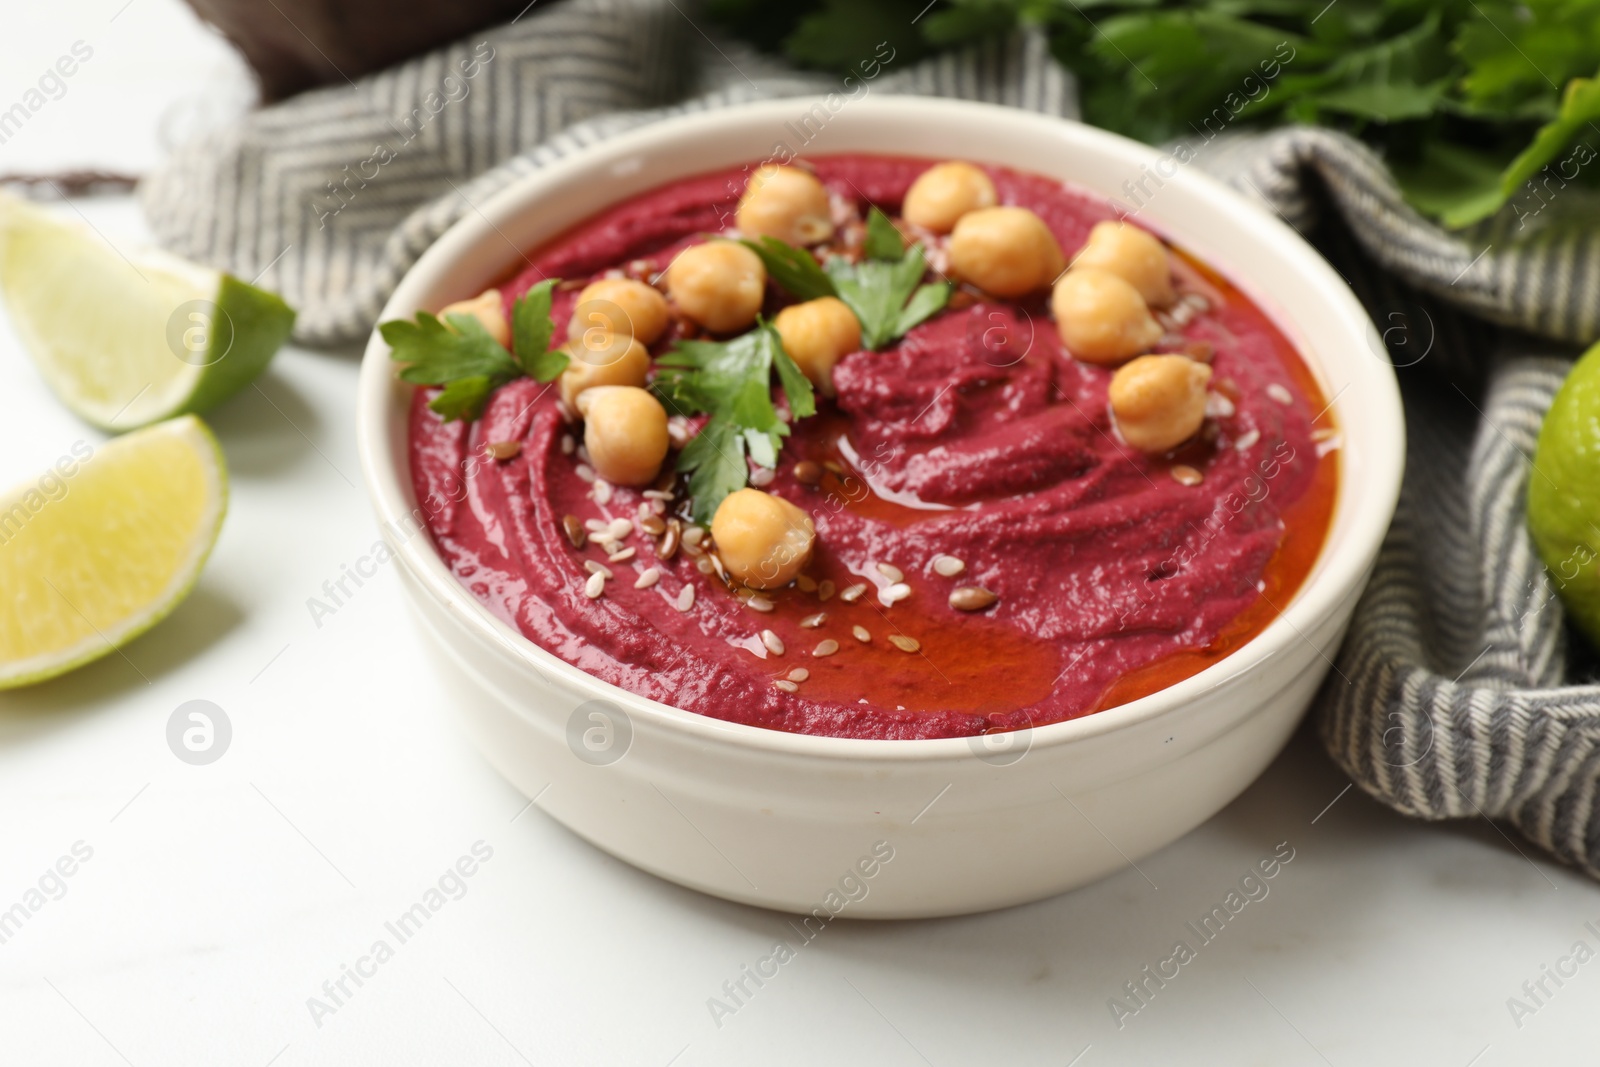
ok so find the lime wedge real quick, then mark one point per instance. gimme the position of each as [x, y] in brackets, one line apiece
[125, 342]
[103, 545]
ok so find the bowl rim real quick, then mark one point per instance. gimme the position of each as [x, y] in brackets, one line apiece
[1337, 571]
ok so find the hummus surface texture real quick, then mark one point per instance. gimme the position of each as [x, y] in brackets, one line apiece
[976, 436]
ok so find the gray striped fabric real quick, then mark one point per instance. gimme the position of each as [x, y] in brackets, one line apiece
[1450, 695]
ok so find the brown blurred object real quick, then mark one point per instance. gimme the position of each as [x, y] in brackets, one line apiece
[299, 44]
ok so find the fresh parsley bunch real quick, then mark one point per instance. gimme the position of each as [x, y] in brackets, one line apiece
[459, 354]
[1474, 103]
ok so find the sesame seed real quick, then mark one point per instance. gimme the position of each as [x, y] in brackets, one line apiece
[652, 525]
[1247, 439]
[1184, 474]
[621, 557]
[806, 584]
[1324, 433]
[759, 603]
[503, 449]
[1280, 394]
[948, 566]
[620, 528]
[576, 535]
[971, 598]
[861, 634]
[904, 643]
[685, 599]
[853, 594]
[703, 565]
[594, 566]
[799, 674]
[811, 622]
[895, 593]
[825, 589]
[595, 526]
[595, 586]
[1219, 406]
[773, 642]
[648, 578]
[567, 444]
[669, 541]
[761, 476]
[602, 492]
[584, 472]
[826, 648]
[716, 562]
[786, 686]
[891, 572]
[655, 494]
[807, 472]
[694, 535]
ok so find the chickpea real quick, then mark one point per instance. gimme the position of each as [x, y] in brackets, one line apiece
[616, 360]
[719, 284]
[787, 203]
[945, 192]
[1134, 255]
[487, 308]
[623, 306]
[1101, 318]
[1007, 251]
[625, 431]
[1159, 401]
[762, 539]
[817, 334]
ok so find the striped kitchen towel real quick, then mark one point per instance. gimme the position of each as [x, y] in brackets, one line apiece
[1455, 693]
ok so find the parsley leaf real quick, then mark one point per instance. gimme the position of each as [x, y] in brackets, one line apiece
[794, 269]
[531, 331]
[459, 353]
[436, 353]
[878, 291]
[883, 240]
[731, 381]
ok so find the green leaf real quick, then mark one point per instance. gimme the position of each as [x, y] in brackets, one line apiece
[1403, 77]
[883, 240]
[436, 353]
[1457, 186]
[1580, 107]
[926, 302]
[852, 37]
[715, 463]
[531, 333]
[877, 292]
[460, 354]
[796, 386]
[794, 269]
[731, 381]
[463, 398]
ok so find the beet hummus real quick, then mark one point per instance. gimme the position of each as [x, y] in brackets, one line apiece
[973, 453]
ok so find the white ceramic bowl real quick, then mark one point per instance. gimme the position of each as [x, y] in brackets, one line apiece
[789, 821]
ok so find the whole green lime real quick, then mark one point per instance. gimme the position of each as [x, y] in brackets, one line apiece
[1564, 493]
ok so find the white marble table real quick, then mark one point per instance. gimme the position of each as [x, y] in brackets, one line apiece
[216, 901]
